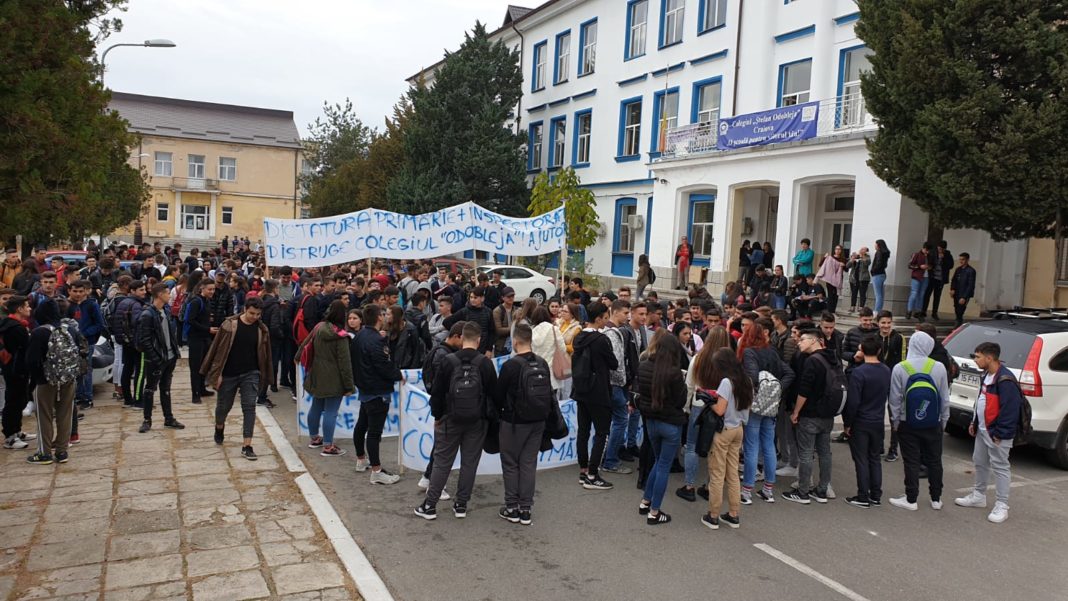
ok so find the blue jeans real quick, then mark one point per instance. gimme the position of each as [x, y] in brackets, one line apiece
[877, 282]
[916, 290]
[326, 409]
[778, 301]
[84, 391]
[618, 430]
[690, 458]
[759, 435]
[664, 439]
[633, 423]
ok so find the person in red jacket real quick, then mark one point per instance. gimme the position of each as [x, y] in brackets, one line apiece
[683, 258]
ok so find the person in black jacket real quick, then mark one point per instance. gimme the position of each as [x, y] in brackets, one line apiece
[878, 272]
[15, 335]
[222, 304]
[962, 287]
[594, 400]
[273, 316]
[374, 372]
[661, 399]
[122, 328]
[451, 434]
[198, 332]
[431, 366]
[863, 417]
[157, 337]
[940, 264]
[55, 401]
[477, 312]
[813, 431]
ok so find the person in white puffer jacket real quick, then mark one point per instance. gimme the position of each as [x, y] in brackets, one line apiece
[545, 340]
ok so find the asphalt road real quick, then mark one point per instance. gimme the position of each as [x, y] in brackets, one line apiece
[593, 544]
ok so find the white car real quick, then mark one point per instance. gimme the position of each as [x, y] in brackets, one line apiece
[1036, 350]
[527, 283]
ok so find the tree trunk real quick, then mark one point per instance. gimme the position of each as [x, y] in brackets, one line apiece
[1061, 271]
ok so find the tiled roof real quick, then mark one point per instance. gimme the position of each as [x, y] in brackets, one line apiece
[515, 13]
[195, 120]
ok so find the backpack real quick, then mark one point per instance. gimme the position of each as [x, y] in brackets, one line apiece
[652, 276]
[64, 360]
[533, 401]
[583, 377]
[464, 399]
[107, 310]
[431, 362]
[922, 402]
[834, 391]
[768, 391]
[300, 330]
[183, 315]
[1023, 425]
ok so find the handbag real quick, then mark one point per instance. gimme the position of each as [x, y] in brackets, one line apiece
[561, 360]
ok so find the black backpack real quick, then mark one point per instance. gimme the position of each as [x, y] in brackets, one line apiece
[464, 400]
[431, 363]
[582, 373]
[533, 401]
[835, 387]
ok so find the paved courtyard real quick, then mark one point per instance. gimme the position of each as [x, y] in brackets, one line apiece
[162, 515]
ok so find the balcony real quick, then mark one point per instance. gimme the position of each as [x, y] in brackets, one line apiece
[836, 116]
[194, 184]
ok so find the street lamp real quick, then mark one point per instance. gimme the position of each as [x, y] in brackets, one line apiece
[154, 43]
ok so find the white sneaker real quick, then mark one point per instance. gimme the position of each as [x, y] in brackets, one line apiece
[384, 477]
[362, 464]
[30, 408]
[936, 505]
[787, 471]
[14, 442]
[26, 436]
[445, 496]
[903, 503]
[830, 492]
[999, 514]
[424, 482]
[974, 499]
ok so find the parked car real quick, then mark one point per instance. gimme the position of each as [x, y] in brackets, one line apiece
[73, 258]
[527, 283]
[103, 361]
[1036, 350]
[451, 265]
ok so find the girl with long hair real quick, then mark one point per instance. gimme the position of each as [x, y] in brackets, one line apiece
[405, 346]
[662, 400]
[756, 355]
[732, 391]
[715, 339]
[878, 271]
[329, 377]
[569, 324]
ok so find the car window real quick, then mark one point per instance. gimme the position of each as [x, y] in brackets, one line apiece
[1059, 362]
[516, 274]
[1015, 346]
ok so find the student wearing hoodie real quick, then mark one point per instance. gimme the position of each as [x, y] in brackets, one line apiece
[15, 335]
[122, 328]
[863, 416]
[997, 417]
[919, 426]
[55, 400]
[592, 392]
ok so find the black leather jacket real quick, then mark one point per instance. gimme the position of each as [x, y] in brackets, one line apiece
[150, 335]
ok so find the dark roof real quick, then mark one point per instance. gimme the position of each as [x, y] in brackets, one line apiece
[515, 13]
[195, 120]
[1028, 325]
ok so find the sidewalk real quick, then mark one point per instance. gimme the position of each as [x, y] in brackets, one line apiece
[162, 515]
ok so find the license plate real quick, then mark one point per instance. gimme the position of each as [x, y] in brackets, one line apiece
[969, 379]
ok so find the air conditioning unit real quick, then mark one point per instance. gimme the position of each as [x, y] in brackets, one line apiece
[636, 222]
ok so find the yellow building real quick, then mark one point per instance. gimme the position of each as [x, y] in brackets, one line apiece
[215, 170]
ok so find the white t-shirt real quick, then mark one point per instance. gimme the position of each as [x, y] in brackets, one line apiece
[732, 418]
[980, 404]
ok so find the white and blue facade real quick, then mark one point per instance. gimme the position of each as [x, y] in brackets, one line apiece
[629, 93]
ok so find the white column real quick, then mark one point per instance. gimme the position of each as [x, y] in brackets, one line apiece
[786, 226]
[824, 62]
[179, 227]
[212, 216]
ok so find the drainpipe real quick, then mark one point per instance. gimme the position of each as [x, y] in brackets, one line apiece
[296, 180]
[522, 47]
[737, 58]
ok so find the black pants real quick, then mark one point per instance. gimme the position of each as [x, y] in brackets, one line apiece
[16, 397]
[806, 308]
[600, 417]
[369, 426]
[865, 444]
[646, 457]
[520, 445]
[198, 347]
[921, 447]
[248, 386]
[933, 295]
[131, 374]
[289, 369]
[451, 438]
[958, 310]
[858, 289]
[158, 377]
[832, 298]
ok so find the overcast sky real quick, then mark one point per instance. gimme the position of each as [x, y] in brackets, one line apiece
[290, 54]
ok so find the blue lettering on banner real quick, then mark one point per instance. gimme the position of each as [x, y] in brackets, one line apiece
[786, 124]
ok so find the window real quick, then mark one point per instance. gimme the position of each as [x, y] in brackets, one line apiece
[841, 203]
[561, 70]
[666, 110]
[583, 131]
[534, 146]
[702, 213]
[854, 61]
[164, 164]
[163, 212]
[706, 97]
[712, 14]
[625, 243]
[1059, 362]
[671, 17]
[196, 166]
[631, 127]
[228, 215]
[538, 82]
[794, 82]
[587, 47]
[637, 18]
[557, 130]
[227, 169]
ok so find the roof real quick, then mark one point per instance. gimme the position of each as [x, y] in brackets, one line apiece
[515, 13]
[196, 120]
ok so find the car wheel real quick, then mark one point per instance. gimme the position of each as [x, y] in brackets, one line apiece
[957, 431]
[538, 295]
[1058, 455]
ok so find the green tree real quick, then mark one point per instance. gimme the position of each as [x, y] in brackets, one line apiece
[385, 158]
[970, 98]
[337, 144]
[64, 157]
[580, 207]
[458, 144]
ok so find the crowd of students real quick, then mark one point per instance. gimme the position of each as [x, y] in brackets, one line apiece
[752, 389]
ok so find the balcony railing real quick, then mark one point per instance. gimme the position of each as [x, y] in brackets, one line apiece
[839, 115]
[194, 183]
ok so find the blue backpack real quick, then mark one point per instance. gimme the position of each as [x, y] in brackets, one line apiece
[922, 404]
[184, 317]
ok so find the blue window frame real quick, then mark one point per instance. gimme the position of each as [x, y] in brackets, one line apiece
[634, 37]
[537, 80]
[711, 15]
[562, 64]
[648, 222]
[795, 83]
[706, 100]
[628, 146]
[672, 18]
[623, 237]
[587, 49]
[665, 114]
[852, 62]
[700, 222]
[557, 134]
[582, 139]
[534, 144]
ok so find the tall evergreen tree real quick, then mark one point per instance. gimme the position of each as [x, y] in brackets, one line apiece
[971, 98]
[336, 147]
[458, 144]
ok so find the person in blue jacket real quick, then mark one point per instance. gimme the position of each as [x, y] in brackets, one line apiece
[803, 259]
[997, 416]
[85, 310]
[962, 287]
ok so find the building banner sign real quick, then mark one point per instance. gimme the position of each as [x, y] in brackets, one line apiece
[376, 233]
[786, 124]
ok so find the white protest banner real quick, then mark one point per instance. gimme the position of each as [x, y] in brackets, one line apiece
[377, 233]
[349, 411]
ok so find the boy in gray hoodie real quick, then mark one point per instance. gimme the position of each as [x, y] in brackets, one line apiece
[919, 409]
